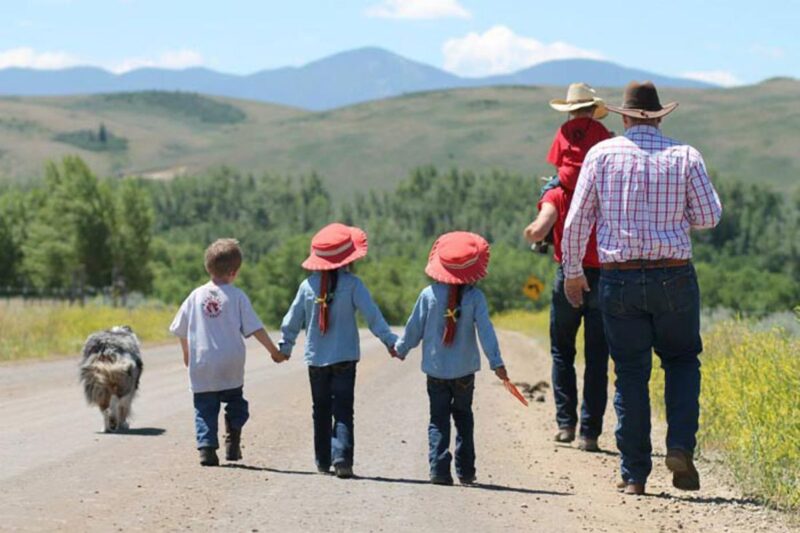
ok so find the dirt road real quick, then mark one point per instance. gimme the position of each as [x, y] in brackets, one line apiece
[58, 473]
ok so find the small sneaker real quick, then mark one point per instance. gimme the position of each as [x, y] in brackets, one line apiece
[684, 474]
[233, 449]
[588, 444]
[208, 457]
[468, 481]
[442, 480]
[343, 472]
[323, 469]
[565, 435]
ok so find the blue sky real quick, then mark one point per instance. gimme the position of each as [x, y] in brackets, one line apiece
[731, 42]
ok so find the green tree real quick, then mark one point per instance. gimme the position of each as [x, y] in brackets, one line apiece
[70, 240]
[133, 235]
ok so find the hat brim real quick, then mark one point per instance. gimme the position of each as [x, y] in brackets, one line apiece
[564, 106]
[643, 113]
[359, 250]
[462, 276]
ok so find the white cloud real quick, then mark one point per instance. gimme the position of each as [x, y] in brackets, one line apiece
[500, 51]
[29, 58]
[418, 9]
[769, 52]
[717, 77]
[25, 57]
[173, 59]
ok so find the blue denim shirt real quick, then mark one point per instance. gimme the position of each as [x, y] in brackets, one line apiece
[340, 343]
[427, 322]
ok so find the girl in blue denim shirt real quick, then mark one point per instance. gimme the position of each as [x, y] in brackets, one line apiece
[445, 319]
[325, 307]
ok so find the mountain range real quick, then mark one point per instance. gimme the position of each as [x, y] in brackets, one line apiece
[749, 133]
[339, 80]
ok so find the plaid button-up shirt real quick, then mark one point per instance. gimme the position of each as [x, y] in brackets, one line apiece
[645, 192]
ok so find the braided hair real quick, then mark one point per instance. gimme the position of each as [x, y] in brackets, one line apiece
[455, 292]
[327, 288]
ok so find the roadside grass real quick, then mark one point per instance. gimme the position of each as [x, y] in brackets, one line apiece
[40, 330]
[750, 413]
[750, 410]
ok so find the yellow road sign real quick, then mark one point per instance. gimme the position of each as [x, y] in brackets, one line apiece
[533, 288]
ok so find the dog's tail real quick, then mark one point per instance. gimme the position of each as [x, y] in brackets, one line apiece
[104, 375]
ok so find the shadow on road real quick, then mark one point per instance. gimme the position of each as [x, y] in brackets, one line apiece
[381, 479]
[142, 432]
[268, 469]
[479, 486]
[712, 500]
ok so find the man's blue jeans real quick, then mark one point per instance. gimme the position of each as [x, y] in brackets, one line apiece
[646, 310]
[564, 323]
[451, 397]
[333, 392]
[206, 414]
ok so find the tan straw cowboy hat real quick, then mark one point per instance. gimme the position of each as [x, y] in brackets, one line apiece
[580, 95]
[641, 101]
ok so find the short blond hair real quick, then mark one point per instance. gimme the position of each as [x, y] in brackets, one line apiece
[223, 257]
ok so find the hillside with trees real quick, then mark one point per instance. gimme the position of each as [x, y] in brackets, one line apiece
[77, 233]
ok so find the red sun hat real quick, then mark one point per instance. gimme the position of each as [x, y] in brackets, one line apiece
[335, 246]
[458, 258]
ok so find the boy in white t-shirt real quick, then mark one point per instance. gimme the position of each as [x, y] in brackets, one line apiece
[212, 324]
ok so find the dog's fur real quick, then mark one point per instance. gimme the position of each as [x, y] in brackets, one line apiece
[110, 370]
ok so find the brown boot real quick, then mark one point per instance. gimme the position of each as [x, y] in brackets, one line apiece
[233, 439]
[588, 444]
[565, 435]
[684, 474]
[634, 489]
[208, 457]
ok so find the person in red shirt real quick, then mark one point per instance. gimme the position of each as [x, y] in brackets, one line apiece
[571, 143]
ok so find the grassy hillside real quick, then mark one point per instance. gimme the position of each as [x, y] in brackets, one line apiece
[747, 132]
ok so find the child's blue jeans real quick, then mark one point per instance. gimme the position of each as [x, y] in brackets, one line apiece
[333, 392]
[451, 397]
[206, 414]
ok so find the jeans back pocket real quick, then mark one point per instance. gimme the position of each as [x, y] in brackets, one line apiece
[681, 292]
[612, 295]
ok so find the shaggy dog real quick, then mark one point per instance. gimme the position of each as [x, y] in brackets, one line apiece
[110, 370]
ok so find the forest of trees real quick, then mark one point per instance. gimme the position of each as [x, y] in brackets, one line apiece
[76, 231]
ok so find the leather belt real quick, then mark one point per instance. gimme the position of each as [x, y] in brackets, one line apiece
[646, 264]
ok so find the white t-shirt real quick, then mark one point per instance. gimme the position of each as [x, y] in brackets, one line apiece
[216, 319]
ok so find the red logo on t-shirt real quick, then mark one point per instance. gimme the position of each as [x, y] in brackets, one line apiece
[212, 306]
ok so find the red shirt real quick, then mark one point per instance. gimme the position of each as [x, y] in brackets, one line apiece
[572, 141]
[560, 198]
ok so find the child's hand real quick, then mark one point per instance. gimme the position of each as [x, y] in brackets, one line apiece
[393, 352]
[279, 357]
[501, 373]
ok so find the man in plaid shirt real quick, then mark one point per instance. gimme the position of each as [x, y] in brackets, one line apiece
[645, 192]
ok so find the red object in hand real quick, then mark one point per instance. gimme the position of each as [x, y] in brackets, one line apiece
[510, 387]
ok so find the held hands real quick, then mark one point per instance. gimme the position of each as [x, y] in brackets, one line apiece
[501, 373]
[574, 289]
[393, 353]
[278, 356]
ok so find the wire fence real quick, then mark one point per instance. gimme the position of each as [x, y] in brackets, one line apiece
[64, 295]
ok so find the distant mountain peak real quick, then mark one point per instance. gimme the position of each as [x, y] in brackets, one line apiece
[348, 77]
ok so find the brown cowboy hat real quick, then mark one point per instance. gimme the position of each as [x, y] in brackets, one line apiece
[641, 101]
